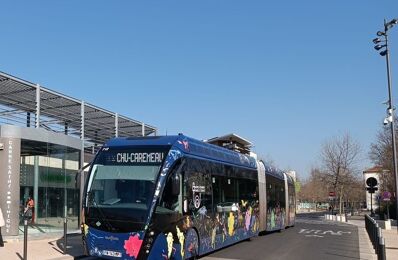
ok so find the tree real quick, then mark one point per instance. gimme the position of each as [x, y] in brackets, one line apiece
[356, 193]
[381, 154]
[339, 157]
[297, 185]
[313, 189]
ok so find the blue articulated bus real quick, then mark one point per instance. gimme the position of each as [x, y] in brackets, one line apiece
[174, 197]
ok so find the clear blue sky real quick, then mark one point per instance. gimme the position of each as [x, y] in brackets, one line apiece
[286, 75]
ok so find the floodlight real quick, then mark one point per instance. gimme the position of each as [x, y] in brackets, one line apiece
[378, 47]
[383, 53]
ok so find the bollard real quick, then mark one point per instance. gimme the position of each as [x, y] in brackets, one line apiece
[382, 250]
[25, 239]
[65, 236]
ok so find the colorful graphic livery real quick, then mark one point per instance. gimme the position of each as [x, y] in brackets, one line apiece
[175, 197]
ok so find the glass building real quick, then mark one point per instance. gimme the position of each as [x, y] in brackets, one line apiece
[45, 139]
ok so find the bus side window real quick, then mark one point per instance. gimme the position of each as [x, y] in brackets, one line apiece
[169, 199]
[171, 194]
[217, 192]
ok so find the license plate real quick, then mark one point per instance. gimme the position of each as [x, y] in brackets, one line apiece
[111, 253]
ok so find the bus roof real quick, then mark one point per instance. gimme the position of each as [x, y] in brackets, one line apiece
[289, 179]
[189, 146]
[147, 140]
[269, 170]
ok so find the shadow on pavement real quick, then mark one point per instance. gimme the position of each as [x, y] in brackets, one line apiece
[74, 245]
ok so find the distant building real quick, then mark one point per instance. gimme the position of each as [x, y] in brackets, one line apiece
[233, 142]
[373, 172]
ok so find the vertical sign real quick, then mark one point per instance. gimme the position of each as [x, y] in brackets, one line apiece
[9, 184]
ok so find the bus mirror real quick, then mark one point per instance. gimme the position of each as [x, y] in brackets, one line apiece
[175, 185]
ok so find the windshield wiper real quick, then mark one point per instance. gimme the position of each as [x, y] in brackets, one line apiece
[92, 201]
[111, 201]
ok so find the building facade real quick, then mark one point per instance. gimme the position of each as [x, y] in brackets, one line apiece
[372, 199]
[45, 138]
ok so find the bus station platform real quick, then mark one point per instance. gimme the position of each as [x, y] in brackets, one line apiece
[43, 248]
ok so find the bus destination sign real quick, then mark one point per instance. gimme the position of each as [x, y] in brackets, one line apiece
[139, 157]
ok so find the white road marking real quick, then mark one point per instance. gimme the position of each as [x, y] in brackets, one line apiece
[320, 232]
[313, 236]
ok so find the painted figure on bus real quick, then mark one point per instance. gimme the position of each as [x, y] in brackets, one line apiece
[231, 222]
[248, 218]
[278, 214]
[170, 247]
[271, 218]
[133, 245]
[222, 227]
[275, 217]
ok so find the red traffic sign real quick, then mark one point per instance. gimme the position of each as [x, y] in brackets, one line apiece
[332, 194]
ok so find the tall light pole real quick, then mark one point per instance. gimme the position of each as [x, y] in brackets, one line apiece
[390, 117]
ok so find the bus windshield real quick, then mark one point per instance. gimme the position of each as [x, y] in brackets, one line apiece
[121, 188]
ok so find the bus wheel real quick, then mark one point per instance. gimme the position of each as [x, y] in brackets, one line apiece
[191, 244]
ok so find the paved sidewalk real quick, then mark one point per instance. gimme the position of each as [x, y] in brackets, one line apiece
[365, 245]
[43, 249]
[391, 238]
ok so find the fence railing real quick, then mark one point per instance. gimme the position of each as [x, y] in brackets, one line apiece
[375, 235]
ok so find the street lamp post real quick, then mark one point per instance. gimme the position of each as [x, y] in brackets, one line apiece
[390, 117]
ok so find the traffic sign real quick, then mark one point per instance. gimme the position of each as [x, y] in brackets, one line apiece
[332, 194]
[372, 189]
[371, 181]
[386, 196]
